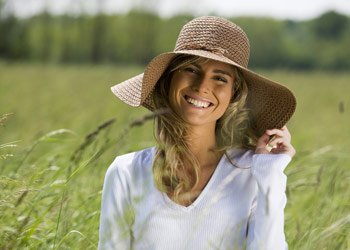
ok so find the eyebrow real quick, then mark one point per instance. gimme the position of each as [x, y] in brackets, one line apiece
[220, 71]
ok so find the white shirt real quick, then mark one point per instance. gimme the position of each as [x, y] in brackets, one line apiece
[239, 208]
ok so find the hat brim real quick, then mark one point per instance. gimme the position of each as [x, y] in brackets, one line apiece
[271, 103]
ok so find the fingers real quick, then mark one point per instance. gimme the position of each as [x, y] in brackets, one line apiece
[280, 142]
[261, 144]
[283, 132]
[264, 138]
[285, 129]
[276, 141]
[281, 137]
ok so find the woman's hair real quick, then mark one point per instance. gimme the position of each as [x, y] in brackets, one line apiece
[233, 130]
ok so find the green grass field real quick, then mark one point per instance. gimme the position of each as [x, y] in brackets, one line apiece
[54, 154]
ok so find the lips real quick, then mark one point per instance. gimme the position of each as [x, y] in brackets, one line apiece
[197, 103]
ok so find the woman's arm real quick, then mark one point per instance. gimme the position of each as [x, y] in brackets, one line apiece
[266, 223]
[116, 211]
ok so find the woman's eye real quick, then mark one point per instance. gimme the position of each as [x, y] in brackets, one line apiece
[221, 79]
[191, 70]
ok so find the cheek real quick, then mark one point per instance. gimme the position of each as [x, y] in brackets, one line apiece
[171, 97]
[225, 97]
[173, 91]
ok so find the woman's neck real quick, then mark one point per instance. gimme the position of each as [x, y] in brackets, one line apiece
[202, 141]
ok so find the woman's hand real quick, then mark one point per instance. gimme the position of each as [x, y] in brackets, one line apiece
[280, 144]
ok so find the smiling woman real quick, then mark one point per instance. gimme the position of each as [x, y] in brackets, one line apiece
[199, 94]
[210, 182]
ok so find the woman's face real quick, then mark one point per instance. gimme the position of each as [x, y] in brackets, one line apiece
[200, 93]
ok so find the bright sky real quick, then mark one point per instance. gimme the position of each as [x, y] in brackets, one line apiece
[281, 9]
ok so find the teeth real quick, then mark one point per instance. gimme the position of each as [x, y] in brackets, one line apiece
[197, 103]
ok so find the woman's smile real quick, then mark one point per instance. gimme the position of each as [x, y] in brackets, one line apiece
[197, 102]
[200, 93]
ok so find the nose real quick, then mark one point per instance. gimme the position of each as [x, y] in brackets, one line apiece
[201, 85]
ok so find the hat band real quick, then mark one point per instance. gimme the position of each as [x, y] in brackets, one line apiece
[215, 50]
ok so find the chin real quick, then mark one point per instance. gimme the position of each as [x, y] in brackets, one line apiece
[198, 122]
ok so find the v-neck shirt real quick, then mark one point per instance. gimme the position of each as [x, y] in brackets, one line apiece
[239, 208]
[201, 194]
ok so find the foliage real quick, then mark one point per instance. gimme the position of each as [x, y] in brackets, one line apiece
[330, 25]
[138, 36]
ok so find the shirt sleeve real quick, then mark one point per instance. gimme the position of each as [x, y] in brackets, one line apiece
[266, 223]
[116, 211]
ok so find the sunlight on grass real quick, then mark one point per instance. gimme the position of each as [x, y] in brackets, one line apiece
[55, 148]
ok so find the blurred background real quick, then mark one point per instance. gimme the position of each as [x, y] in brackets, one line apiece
[61, 127]
[283, 34]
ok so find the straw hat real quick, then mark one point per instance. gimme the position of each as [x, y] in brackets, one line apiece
[271, 103]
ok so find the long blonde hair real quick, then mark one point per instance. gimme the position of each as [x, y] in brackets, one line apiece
[233, 130]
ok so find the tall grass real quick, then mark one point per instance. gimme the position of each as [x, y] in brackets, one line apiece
[66, 128]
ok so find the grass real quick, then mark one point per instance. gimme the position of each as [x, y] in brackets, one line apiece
[65, 127]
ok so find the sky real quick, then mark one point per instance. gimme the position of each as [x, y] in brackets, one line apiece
[280, 9]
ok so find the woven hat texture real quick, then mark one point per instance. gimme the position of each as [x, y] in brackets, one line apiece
[216, 38]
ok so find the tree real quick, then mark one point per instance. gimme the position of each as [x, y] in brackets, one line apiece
[331, 25]
[266, 39]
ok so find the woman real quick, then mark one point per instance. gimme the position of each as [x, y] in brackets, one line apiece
[211, 182]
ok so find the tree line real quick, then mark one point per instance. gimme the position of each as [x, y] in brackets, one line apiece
[138, 36]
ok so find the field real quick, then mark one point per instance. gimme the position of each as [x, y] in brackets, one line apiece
[64, 127]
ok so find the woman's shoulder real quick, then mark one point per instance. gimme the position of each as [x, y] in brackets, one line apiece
[140, 156]
[133, 164]
[241, 157]
[247, 158]
[128, 175]
[132, 159]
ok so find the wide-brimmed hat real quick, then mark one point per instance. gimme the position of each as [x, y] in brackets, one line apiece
[271, 103]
